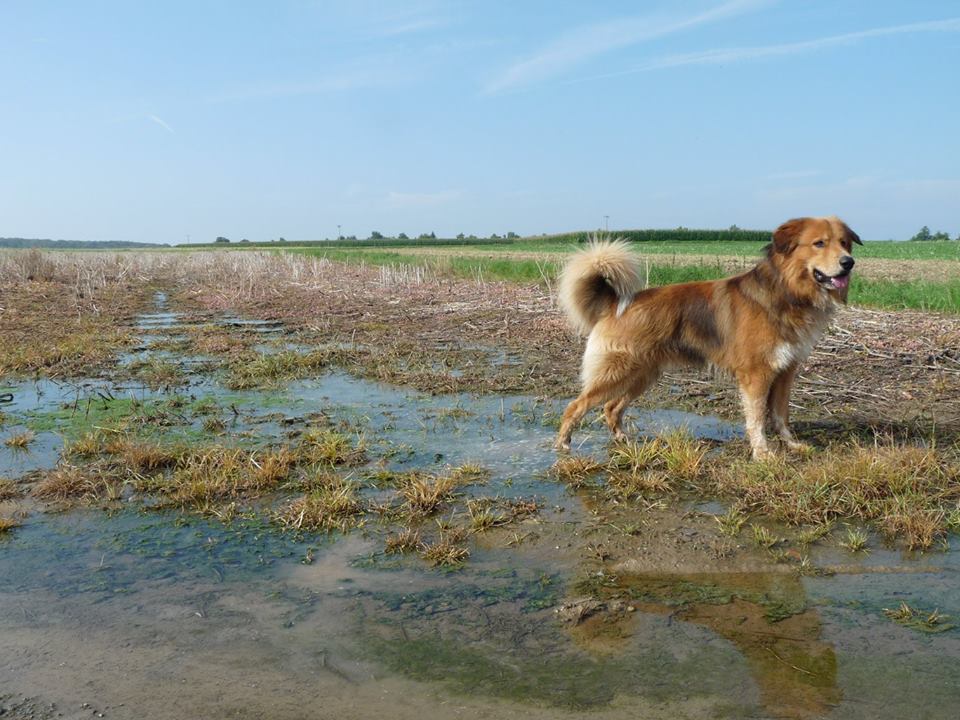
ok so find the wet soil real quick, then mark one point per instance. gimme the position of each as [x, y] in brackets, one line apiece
[120, 607]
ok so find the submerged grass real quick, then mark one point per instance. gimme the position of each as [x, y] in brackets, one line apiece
[932, 622]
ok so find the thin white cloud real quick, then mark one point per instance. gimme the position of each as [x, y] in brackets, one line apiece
[406, 201]
[408, 27]
[381, 74]
[743, 54]
[584, 43]
[793, 175]
[161, 123]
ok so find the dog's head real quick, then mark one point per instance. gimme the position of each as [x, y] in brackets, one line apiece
[816, 256]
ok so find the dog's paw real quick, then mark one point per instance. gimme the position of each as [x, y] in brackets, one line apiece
[562, 445]
[801, 448]
[763, 454]
[620, 436]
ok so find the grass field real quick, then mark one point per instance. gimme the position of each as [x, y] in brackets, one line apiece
[893, 294]
[872, 249]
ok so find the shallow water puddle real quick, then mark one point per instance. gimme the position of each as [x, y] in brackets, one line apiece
[138, 613]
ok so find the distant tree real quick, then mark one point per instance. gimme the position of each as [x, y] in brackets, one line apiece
[940, 236]
[244, 240]
[459, 236]
[433, 236]
[471, 237]
[512, 236]
[923, 235]
[222, 239]
[494, 236]
[402, 236]
[351, 237]
[734, 228]
[282, 240]
[376, 236]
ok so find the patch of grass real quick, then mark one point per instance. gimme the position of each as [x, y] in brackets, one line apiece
[656, 465]
[89, 444]
[157, 372]
[813, 533]
[575, 470]
[70, 482]
[213, 425]
[425, 494]
[764, 537]
[916, 619]
[855, 540]
[404, 541]
[907, 491]
[470, 473]
[211, 475]
[444, 552]
[676, 453]
[265, 370]
[483, 517]
[330, 447]
[335, 507]
[7, 524]
[732, 522]
[19, 441]
[913, 294]
[9, 490]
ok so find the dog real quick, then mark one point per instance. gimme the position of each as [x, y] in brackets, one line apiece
[759, 326]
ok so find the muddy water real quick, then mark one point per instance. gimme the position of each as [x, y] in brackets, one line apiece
[138, 614]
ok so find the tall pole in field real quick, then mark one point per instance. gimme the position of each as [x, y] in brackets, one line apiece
[339, 234]
[606, 223]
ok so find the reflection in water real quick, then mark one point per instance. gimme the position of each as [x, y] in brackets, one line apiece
[764, 615]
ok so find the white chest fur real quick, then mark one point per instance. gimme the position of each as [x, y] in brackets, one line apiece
[785, 354]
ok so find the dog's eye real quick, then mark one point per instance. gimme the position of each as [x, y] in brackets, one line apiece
[819, 243]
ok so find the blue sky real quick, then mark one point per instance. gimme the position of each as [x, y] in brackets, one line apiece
[153, 121]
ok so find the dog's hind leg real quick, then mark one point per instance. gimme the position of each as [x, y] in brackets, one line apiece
[590, 397]
[778, 405]
[613, 413]
[610, 386]
[614, 409]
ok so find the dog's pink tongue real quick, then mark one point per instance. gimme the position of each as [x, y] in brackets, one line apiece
[841, 282]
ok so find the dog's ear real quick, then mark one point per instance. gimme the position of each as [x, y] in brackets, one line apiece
[851, 235]
[785, 237]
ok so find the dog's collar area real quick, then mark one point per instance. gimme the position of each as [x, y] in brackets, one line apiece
[838, 281]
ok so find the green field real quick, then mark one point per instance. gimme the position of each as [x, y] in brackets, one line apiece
[890, 250]
[881, 249]
[889, 294]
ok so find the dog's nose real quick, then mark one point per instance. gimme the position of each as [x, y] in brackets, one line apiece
[846, 262]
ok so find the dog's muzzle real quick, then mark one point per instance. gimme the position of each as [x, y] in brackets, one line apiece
[836, 282]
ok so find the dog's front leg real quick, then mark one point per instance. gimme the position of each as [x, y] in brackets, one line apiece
[754, 389]
[779, 407]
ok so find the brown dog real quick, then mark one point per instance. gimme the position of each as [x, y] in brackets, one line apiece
[759, 326]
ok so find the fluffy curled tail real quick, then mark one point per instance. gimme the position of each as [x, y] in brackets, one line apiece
[596, 279]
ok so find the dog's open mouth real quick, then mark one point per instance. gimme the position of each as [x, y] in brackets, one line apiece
[838, 281]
